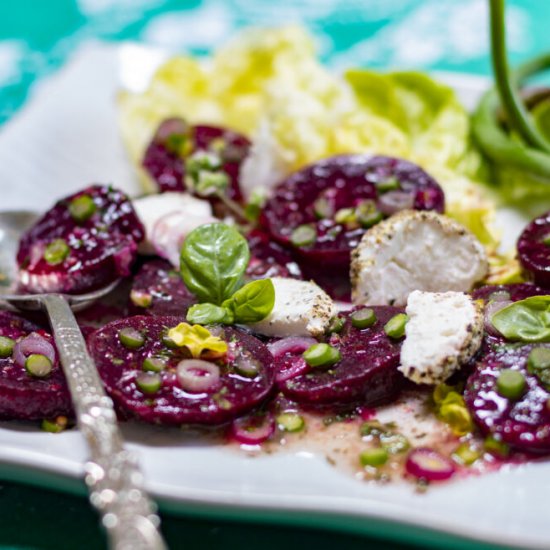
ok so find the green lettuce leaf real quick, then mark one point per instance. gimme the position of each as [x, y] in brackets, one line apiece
[435, 133]
[427, 112]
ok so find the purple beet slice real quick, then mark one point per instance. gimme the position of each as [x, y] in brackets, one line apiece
[23, 396]
[523, 423]
[175, 141]
[269, 259]
[367, 373]
[82, 243]
[533, 248]
[171, 404]
[318, 195]
[158, 289]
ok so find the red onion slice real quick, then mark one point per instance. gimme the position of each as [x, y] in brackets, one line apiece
[34, 343]
[290, 368]
[197, 376]
[170, 127]
[294, 344]
[394, 201]
[253, 429]
[490, 309]
[169, 232]
[425, 463]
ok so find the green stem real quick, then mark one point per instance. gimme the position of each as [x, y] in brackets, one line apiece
[518, 116]
[231, 205]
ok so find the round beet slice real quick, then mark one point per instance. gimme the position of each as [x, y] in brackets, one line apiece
[333, 197]
[175, 141]
[23, 396]
[523, 423]
[269, 259]
[84, 242]
[534, 249]
[171, 404]
[158, 289]
[366, 374]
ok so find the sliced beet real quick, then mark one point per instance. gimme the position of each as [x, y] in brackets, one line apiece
[158, 289]
[269, 259]
[164, 159]
[523, 423]
[25, 397]
[367, 373]
[98, 248]
[534, 252]
[341, 182]
[171, 404]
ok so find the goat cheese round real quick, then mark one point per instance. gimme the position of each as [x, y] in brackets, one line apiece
[415, 251]
[443, 333]
[301, 309]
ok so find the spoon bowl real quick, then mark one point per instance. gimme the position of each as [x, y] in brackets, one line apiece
[12, 225]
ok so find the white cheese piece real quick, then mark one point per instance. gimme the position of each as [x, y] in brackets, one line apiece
[301, 309]
[415, 251]
[443, 333]
[153, 208]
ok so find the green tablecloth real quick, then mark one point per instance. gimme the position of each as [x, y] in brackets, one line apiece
[37, 36]
[31, 518]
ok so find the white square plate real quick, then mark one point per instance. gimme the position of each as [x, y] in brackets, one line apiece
[67, 137]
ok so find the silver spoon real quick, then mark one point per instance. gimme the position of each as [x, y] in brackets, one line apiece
[111, 473]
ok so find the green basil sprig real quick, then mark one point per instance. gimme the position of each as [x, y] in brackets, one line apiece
[525, 321]
[214, 258]
[207, 314]
[253, 302]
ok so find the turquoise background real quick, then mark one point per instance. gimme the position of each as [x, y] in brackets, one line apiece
[38, 36]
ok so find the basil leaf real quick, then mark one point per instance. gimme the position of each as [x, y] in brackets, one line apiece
[525, 321]
[207, 314]
[253, 302]
[213, 260]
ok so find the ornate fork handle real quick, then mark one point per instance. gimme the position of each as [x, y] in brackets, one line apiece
[112, 473]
